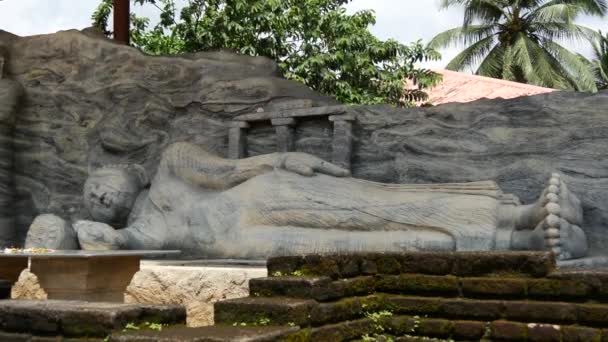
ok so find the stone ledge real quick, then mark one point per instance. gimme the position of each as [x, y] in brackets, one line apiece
[464, 264]
[207, 334]
[81, 319]
[318, 288]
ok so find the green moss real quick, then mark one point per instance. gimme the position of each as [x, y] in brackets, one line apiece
[303, 335]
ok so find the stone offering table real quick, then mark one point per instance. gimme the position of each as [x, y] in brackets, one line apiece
[95, 276]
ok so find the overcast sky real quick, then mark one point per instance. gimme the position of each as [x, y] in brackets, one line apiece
[404, 20]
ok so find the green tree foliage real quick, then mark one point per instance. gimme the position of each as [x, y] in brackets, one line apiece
[600, 61]
[517, 40]
[313, 41]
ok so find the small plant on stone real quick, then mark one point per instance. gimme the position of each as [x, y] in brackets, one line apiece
[297, 273]
[277, 274]
[262, 321]
[377, 318]
[131, 326]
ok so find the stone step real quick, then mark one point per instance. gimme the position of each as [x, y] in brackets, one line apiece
[281, 310]
[564, 289]
[81, 319]
[592, 315]
[414, 328]
[463, 264]
[264, 310]
[405, 328]
[208, 334]
[321, 289]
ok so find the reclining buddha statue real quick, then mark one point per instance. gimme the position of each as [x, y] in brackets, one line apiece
[295, 203]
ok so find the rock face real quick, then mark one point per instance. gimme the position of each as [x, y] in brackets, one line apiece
[51, 231]
[196, 288]
[10, 94]
[90, 103]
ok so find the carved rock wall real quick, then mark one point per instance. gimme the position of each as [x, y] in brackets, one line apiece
[90, 102]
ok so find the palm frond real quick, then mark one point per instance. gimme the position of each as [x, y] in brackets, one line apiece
[473, 54]
[575, 65]
[462, 36]
[492, 65]
[523, 60]
[562, 31]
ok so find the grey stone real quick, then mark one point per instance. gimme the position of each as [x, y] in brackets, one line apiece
[79, 116]
[293, 113]
[214, 207]
[75, 318]
[237, 142]
[342, 143]
[285, 138]
[98, 236]
[51, 231]
[10, 95]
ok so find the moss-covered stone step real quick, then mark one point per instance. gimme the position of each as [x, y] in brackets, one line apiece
[210, 334]
[592, 315]
[467, 264]
[264, 311]
[491, 287]
[305, 312]
[319, 288]
[81, 319]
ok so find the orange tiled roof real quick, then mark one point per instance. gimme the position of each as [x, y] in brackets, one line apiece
[461, 87]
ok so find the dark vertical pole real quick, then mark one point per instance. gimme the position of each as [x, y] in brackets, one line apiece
[121, 21]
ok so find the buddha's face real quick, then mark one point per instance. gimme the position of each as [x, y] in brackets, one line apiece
[109, 195]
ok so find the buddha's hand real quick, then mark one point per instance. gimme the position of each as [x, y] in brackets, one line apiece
[307, 165]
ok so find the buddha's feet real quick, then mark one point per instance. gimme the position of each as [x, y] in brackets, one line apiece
[559, 212]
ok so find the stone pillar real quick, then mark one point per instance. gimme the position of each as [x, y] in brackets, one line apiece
[237, 140]
[342, 144]
[285, 133]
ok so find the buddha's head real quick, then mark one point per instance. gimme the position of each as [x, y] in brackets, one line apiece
[110, 193]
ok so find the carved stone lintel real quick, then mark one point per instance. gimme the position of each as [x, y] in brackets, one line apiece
[342, 143]
[237, 140]
[342, 117]
[283, 122]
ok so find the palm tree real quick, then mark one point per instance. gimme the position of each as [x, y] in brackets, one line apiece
[517, 40]
[600, 63]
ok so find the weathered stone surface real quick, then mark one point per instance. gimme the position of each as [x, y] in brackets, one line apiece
[208, 334]
[510, 331]
[51, 231]
[278, 310]
[74, 318]
[196, 288]
[494, 287]
[55, 149]
[580, 334]
[11, 93]
[536, 264]
[547, 312]
[125, 107]
[544, 333]
[419, 284]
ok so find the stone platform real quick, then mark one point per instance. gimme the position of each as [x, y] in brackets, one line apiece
[410, 297]
[193, 284]
[22, 319]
